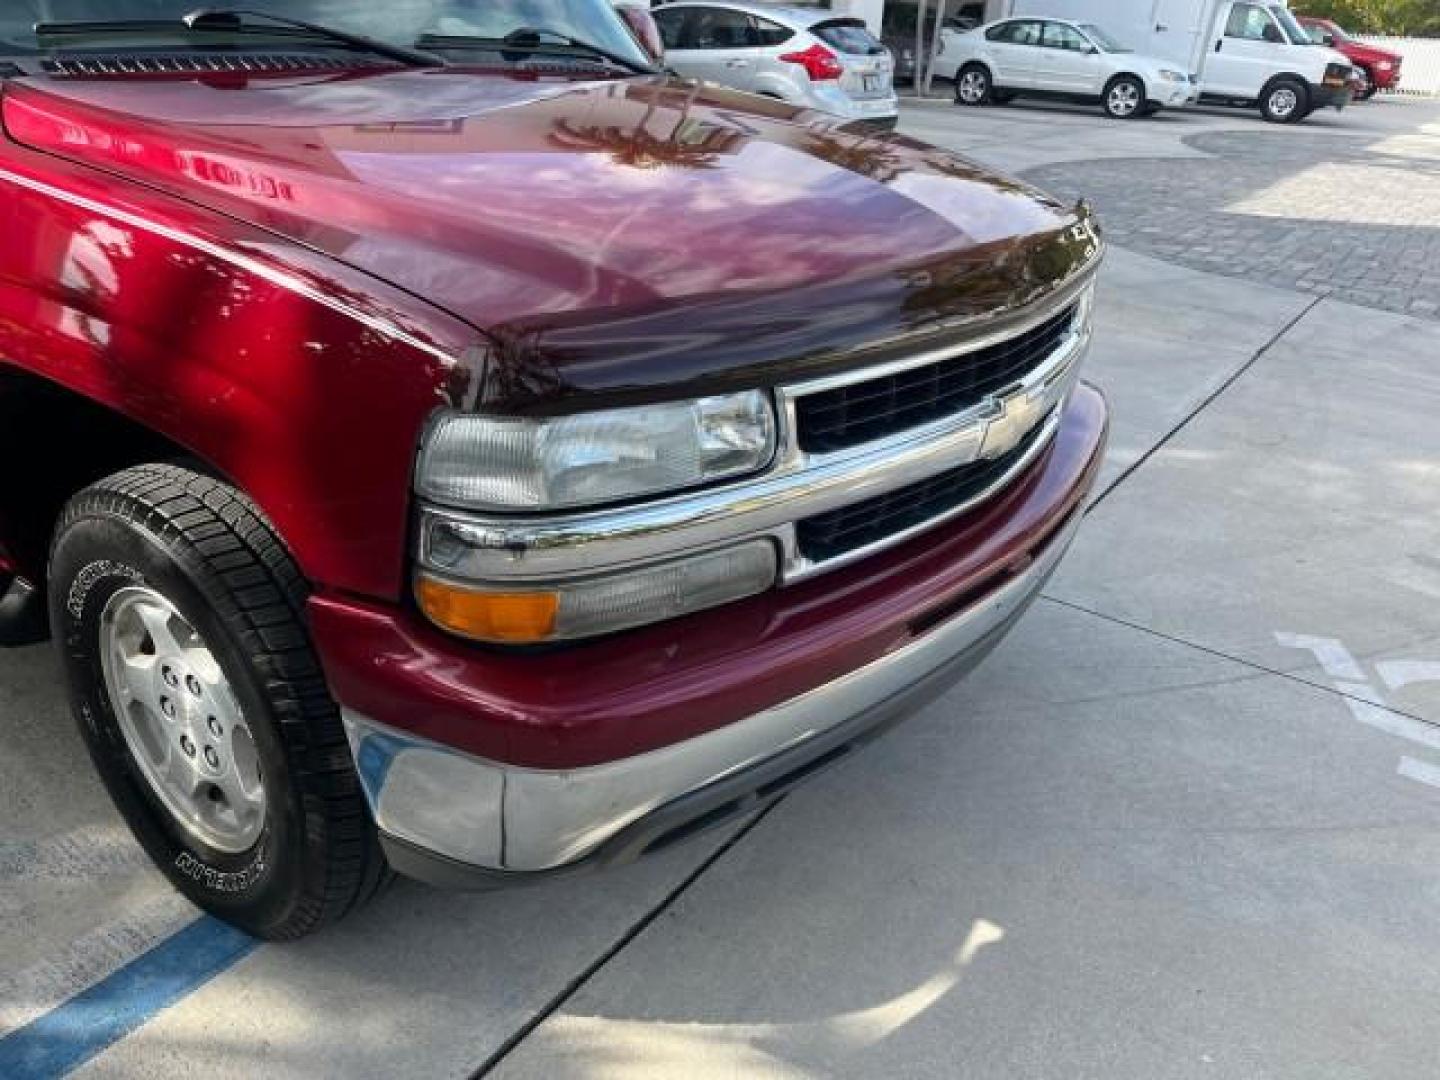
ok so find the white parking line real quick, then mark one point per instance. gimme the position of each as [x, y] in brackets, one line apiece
[1372, 712]
[1333, 657]
[1366, 702]
[1420, 770]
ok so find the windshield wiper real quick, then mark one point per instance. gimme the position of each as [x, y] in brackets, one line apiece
[233, 20]
[528, 39]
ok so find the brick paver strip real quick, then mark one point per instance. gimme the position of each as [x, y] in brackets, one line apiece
[1319, 213]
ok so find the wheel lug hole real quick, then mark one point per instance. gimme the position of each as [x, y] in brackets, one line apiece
[188, 745]
[171, 679]
[215, 728]
[167, 707]
[212, 758]
[193, 685]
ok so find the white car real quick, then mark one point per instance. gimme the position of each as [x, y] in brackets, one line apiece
[806, 56]
[1061, 59]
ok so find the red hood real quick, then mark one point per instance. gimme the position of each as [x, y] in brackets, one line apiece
[1356, 51]
[522, 205]
[1359, 50]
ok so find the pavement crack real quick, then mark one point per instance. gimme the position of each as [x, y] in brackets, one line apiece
[1219, 654]
[1202, 405]
[578, 983]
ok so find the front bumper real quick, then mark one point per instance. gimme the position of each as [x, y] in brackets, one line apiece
[1330, 97]
[460, 818]
[1175, 95]
[612, 814]
[1384, 80]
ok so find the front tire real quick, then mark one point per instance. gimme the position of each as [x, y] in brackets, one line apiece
[1285, 101]
[1124, 98]
[179, 618]
[973, 85]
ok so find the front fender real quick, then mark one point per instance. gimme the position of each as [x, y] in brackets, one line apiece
[304, 382]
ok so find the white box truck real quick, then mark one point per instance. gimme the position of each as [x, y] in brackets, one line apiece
[1245, 52]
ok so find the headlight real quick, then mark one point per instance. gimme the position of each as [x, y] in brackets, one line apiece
[517, 463]
[1173, 76]
[601, 604]
[1383, 65]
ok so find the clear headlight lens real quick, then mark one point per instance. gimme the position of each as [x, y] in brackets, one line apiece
[516, 463]
[1173, 76]
[602, 604]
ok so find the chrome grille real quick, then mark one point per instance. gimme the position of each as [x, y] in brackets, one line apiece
[840, 532]
[864, 411]
[823, 510]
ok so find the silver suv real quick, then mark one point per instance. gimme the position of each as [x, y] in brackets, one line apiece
[805, 56]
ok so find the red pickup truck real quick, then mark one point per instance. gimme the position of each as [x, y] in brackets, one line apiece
[450, 446]
[1379, 67]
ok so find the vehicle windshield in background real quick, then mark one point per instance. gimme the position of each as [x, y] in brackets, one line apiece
[394, 22]
[849, 36]
[1293, 30]
[900, 18]
[1102, 39]
[1318, 34]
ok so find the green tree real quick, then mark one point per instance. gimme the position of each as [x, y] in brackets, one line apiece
[1407, 18]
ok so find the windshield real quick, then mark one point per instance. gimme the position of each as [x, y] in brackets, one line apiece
[1103, 40]
[1320, 31]
[1293, 30]
[396, 22]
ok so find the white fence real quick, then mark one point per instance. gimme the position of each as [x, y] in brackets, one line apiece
[1420, 72]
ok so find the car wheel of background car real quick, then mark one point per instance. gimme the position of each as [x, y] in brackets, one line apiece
[180, 623]
[1124, 98]
[972, 85]
[1285, 101]
[1368, 89]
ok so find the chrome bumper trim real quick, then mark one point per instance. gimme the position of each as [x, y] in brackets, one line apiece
[505, 818]
[515, 549]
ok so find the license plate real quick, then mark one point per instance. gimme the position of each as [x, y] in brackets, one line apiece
[870, 83]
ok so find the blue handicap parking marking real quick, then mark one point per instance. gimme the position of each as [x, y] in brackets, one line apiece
[65, 1038]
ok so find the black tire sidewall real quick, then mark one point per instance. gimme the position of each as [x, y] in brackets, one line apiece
[92, 559]
[1302, 103]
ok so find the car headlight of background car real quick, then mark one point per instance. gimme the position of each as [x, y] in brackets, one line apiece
[509, 465]
[1169, 75]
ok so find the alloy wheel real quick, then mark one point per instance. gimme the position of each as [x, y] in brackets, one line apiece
[181, 720]
[1283, 102]
[972, 87]
[1123, 99]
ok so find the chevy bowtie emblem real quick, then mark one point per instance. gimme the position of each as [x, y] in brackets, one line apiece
[1019, 413]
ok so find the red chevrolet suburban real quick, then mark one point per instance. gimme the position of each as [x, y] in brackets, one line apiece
[448, 444]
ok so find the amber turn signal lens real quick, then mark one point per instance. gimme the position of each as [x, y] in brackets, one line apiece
[513, 617]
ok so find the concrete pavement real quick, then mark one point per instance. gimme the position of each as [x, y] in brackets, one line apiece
[1184, 823]
[1108, 855]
